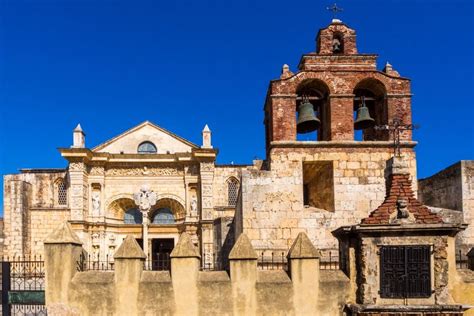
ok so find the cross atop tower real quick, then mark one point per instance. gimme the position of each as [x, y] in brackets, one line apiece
[335, 10]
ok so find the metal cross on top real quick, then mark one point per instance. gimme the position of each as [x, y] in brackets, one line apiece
[334, 9]
[396, 127]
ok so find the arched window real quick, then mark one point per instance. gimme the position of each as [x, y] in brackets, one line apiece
[60, 192]
[133, 216]
[163, 216]
[147, 148]
[232, 191]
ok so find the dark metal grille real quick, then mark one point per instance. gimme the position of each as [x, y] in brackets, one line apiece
[160, 262]
[88, 262]
[23, 282]
[405, 272]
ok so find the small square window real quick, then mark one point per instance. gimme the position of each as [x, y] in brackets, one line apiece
[405, 272]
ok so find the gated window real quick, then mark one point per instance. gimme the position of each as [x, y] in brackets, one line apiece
[405, 272]
[61, 192]
[232, 191]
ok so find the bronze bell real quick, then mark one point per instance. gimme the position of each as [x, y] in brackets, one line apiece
[307, 120]
[363, 119]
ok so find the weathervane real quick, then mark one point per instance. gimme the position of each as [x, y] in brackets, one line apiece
[335, 10]
[396, 127]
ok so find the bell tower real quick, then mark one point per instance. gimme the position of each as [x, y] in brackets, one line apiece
[336, 91]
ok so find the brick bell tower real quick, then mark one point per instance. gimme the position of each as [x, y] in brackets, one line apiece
[336, 80]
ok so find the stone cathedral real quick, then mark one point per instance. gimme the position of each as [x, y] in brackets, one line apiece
[328, 142]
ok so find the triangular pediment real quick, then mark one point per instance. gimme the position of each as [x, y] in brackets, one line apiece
[128, 142]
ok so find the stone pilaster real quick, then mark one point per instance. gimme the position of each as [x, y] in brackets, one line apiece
[78, 190]
[207, 210]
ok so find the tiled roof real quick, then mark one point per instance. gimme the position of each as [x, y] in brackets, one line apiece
[400, 188]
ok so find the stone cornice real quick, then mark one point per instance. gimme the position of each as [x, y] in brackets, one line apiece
[340, 144]
[434, 229]
[86, 155]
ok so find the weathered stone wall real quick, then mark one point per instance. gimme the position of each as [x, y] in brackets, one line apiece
[273, 213]
[244, 291]
[42, 223]
[222, 173]
[444, 189]
[453, 188]
[23, 193]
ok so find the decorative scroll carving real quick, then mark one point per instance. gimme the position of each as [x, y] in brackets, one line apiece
[145, 171]
[76, 166]
[207, 190]
[97, 171]
[207, 166]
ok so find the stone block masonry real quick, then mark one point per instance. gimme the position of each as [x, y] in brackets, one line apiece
[187, 291]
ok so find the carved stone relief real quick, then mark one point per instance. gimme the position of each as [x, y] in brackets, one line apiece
[147, 171]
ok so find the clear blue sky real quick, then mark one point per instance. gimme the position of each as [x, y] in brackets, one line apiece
[113, 64]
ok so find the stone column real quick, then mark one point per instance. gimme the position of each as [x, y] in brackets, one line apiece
[78, 192]
[243, 275]
[145, 224]
[62, 250]
[341, 116]
[184, 275]
[303, 260]
[129, 260]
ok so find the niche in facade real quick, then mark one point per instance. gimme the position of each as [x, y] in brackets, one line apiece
[318, 184]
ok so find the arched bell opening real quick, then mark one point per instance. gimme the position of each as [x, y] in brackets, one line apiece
[370, 110]
[337, 43]
[312, 102]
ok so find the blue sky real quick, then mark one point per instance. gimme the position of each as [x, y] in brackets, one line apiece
[110, 65]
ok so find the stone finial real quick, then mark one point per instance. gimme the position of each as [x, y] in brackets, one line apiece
[206, 137]
[63, 235]
[398, 165]
[243, 249]
[285, 72]
[78, 137]
[185, 248]
[129, 249]
[388, 69]
[303, 248]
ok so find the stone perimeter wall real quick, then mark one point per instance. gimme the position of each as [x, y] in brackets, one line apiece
[187, 291]
[272, 213]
